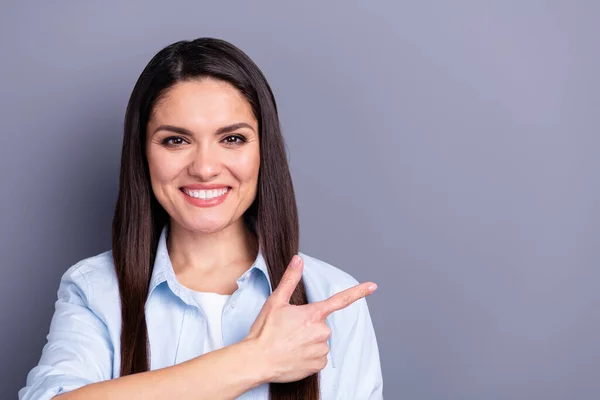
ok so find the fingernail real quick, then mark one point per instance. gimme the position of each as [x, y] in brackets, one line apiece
[372, 287]
[296, 261]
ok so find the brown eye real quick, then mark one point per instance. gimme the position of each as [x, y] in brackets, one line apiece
[173, 141]
[234, 140]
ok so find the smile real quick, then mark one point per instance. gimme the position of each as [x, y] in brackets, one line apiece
[206, 194]
[205, 198]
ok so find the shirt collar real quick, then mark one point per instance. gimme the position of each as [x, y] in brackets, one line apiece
[163, 269]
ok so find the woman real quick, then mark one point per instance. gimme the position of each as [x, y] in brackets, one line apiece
[196, 300]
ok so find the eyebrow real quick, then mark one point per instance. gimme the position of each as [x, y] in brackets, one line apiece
[220, 131]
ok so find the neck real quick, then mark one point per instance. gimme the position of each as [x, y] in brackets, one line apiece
[207, 253]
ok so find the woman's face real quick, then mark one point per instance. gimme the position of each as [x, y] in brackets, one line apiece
[203, 154]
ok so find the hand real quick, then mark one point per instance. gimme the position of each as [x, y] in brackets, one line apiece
[293, 339]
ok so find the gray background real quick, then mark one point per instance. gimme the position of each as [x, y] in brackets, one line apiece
[446, 150]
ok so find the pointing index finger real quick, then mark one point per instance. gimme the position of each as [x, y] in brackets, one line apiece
[346, 297]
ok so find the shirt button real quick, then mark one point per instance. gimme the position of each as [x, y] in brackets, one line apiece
[233, 303]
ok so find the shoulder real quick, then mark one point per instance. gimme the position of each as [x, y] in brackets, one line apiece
[95, 276]
[322, 279]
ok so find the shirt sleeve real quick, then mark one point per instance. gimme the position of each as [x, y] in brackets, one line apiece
[360, 374]
[78, 350]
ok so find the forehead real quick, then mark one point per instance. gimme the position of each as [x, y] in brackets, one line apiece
[202, 103]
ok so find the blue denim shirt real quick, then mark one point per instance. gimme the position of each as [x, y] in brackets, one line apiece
[83, 344]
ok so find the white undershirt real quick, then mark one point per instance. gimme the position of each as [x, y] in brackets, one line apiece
[212, 306]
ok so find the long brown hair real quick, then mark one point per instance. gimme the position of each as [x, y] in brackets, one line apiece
[139, 218]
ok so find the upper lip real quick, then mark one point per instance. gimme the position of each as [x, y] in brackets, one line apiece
[204, 186]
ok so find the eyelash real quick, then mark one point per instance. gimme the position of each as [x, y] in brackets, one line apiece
[240, 139]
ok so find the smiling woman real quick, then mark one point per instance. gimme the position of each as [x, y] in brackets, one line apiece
[205, 294]
[193, 150]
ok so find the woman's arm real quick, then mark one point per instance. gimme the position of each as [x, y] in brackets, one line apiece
[77, 360]
[286, 343]
[222, 374]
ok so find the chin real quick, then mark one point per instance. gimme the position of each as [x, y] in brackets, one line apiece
[206, 226]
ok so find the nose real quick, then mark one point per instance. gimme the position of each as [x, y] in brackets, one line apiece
[205, 163]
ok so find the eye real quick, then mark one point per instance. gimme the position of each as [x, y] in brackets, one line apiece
[173, 141]
[234, 140]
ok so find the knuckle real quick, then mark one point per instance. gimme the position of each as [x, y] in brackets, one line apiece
[316, 368]
[324, 350]
[322, 363]
[307, 323]
[286, 279]
[319, 313]
[347, 298]
[324, 332]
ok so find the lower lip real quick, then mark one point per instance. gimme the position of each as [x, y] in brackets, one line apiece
[206, 202]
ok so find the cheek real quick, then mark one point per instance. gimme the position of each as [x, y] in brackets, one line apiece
[162, 168]
[246, 167]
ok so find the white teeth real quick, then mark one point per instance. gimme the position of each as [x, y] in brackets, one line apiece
[205, 194]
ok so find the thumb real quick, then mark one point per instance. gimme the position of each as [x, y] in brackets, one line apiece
[289, 280]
